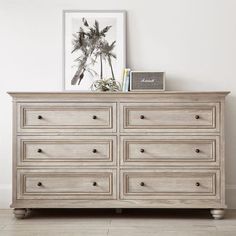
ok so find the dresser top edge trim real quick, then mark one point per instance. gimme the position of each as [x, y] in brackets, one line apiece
[67, 95]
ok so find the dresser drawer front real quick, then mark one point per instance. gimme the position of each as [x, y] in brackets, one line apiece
[64, 184]
[66, 150]
[177, 150]
[179, 117]
[53, 117]
[170, 184]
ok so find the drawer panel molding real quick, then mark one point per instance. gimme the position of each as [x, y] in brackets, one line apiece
[174, 150]
[174, 117]
[56, 117]
[62, 184]
[170, 184]
[66, 150]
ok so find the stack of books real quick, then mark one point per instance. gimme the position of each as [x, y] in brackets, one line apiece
[126, 80]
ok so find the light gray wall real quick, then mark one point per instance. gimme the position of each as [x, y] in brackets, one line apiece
[192, 40]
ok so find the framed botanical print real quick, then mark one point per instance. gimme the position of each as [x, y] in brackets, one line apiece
[94, 47]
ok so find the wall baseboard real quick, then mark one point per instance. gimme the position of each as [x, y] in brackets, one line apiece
[5, 199]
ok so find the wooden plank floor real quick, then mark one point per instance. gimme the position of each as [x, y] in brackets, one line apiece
[107, 222]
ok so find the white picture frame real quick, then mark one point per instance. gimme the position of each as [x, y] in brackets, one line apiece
[106, 58]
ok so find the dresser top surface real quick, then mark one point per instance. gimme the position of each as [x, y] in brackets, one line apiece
[117, 94]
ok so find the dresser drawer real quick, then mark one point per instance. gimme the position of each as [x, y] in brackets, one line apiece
[170, 184]
[66, 150]
[166, 150]
[173, 117]
[66, 117]
[66, 184]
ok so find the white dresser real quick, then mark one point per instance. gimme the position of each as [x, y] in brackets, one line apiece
[118, 150]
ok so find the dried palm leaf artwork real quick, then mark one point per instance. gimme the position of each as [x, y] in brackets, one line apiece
[91, 44]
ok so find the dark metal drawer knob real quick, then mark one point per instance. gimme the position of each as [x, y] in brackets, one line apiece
[39, 184]
[94, 150]
[197, 184]
[94, 117]
[197, 150]
[142, 117]
[40, 117]
[94, 184]
[197, 117]
[142, 184]
[39, 150]
[142, 150]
